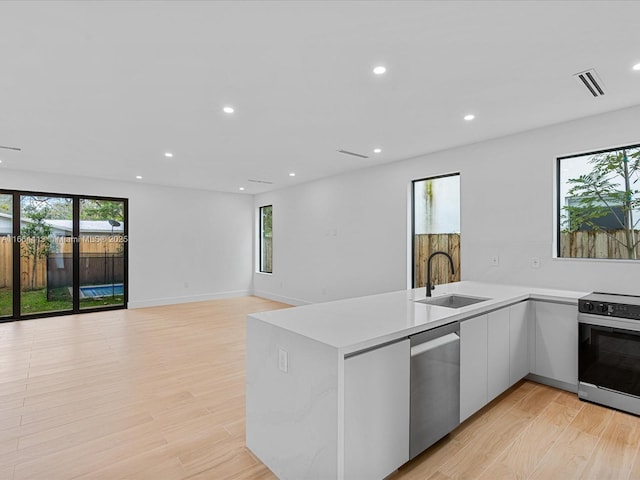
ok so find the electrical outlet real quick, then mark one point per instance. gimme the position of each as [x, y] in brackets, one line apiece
[283, 360]
[186, 284]
[535, 262]
[495, 260]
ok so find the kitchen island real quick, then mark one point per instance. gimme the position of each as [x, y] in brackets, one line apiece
[328, 384]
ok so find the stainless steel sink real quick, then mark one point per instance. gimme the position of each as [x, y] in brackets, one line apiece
[452, 301]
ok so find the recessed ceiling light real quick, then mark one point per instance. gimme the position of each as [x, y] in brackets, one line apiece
[379, 70]
[168, 154]
[241, 188]
[636, 66]
[139, 177]
[292, 174]
[377, 150]
[228, 110]
[469, 117]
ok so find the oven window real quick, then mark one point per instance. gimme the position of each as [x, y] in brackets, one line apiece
[610, 358]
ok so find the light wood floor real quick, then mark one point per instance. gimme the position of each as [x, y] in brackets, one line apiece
[158, 393]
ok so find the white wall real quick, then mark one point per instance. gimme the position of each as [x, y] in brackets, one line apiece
[176, 236]
[347, 236]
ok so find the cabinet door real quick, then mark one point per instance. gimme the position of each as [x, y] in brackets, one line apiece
[376, 411]
[557, 342]
[498, 353]
[473, 366]
[518, 342]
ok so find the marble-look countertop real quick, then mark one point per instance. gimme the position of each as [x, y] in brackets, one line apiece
[359, 323]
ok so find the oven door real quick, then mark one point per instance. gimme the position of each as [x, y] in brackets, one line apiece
[609, 359]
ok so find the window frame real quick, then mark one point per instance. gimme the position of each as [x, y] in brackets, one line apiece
[559, 200]
[261, 237]
[76, 198]
[413, 219]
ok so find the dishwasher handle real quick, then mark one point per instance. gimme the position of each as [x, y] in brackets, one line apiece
[435, 343]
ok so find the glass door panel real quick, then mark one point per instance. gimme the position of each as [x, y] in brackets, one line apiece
[46, 254]
[6, 255]
[102, 253]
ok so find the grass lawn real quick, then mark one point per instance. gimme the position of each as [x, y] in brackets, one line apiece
[35, 301]
[5, 302]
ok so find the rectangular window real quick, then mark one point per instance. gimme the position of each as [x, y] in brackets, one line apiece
[436, 228]
[598, 206]
[266, 239]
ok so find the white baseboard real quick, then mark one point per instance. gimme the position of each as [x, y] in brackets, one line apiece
[156, 302]
[296, 302]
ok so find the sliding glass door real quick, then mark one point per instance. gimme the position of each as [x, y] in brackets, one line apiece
[61, 254]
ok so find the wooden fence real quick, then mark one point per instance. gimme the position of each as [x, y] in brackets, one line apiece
[89, 245]
[423, 246]
[6, 272]
[595, 244]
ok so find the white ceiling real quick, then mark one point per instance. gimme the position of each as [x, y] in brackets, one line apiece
[103, 89]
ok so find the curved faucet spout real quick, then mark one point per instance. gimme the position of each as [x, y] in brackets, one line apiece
[453, 271]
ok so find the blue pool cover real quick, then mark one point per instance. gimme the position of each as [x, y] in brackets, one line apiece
[101, 290]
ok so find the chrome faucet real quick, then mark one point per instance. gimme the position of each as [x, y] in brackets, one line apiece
[453, 271]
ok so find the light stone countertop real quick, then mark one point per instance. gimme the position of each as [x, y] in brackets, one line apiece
[359, 323]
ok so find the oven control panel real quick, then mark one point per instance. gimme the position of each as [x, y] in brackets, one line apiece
[604, 306]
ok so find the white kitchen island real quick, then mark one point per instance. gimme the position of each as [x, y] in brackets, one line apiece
[328, 384]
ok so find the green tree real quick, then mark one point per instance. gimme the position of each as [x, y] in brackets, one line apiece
[101, 210]
[611, 188]
[35, 242]
[6, 203]
[59, 208]
[267, 221]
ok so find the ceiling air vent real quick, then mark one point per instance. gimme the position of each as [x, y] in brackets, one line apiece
[353, 154]
[590, 80]
[11, 148]
[260, 181]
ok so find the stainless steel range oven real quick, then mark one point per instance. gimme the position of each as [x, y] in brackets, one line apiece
[609, 351]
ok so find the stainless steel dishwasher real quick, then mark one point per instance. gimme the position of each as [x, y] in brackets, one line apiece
[435, 386]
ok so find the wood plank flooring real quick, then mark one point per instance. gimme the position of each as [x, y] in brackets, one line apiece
[158, 393]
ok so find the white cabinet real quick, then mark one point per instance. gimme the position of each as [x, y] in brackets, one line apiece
[498, 353]
[518, 342]
[556, 341]
[494, 355]
[473, 365]
[376, 411]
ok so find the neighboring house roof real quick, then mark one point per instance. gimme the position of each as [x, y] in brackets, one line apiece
[64, 227]
[87, 226]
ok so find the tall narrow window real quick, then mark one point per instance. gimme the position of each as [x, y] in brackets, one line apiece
[599, 204]
[266, 239]
[436, 228]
